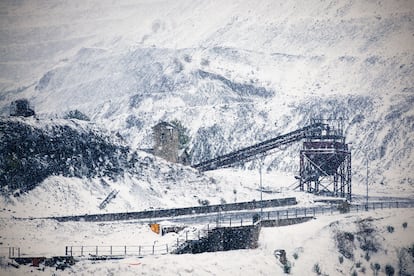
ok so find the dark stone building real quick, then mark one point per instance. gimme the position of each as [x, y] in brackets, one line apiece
[166, 142]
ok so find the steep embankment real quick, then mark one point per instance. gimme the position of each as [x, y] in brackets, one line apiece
[32, 150]
[64, 166]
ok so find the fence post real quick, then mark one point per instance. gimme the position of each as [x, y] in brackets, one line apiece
[110, 250]
[381, 206]
[66, 251]
[296, 213]
[10, 255]
[186, 236]
[287, 213]
[18, 252]
[167, 247]
[305, 212]
[230, 223]
[96, 250]
[81, 251]
[139, 250]
[397, 204]
[313, 211]
[268, 215]
[178, 242]
[277, 214]
[357, 208]
[125, 251]
[153, 249]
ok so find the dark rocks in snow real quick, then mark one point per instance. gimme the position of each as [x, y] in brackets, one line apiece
[21, 108]
[243, 89]
[76, 114]
[30, 152]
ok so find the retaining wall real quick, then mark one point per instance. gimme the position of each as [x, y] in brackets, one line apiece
[223, 239]
[182, 211]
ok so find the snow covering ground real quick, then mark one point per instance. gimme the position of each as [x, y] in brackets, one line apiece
[60, 196]
[312, 243]
[234, 73]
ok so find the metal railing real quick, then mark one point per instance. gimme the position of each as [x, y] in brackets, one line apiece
[10, 252]
[222, 220]
[334, 209]
[111, 251]
[117, 251]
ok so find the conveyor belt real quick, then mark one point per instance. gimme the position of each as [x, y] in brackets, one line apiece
[249, 153]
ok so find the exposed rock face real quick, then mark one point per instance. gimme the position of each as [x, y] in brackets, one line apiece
[31, 150]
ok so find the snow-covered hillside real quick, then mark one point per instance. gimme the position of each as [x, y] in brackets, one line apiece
[234, 72]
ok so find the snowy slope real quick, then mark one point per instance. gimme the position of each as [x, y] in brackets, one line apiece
[235, 73]
[313, 242]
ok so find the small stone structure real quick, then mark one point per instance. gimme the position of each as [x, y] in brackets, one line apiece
[166, 141]
[21, 108]
[223, 239]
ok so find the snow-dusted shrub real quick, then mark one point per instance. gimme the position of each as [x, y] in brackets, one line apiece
[287, 267]
[389, 270]
[375, 268]
[76, 114]
[317, 269]
[345, 244]
[405, 260]
[390, 229]
[411, 250]
[204, 202]
[366, 236]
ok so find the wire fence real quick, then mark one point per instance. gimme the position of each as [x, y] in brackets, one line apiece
[117, 251]
[187, 234]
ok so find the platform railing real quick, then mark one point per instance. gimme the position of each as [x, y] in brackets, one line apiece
[10, 252]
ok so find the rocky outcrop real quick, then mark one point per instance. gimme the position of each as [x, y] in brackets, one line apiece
[31, 150]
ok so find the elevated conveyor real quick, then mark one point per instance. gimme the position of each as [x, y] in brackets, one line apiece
[251, 152]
